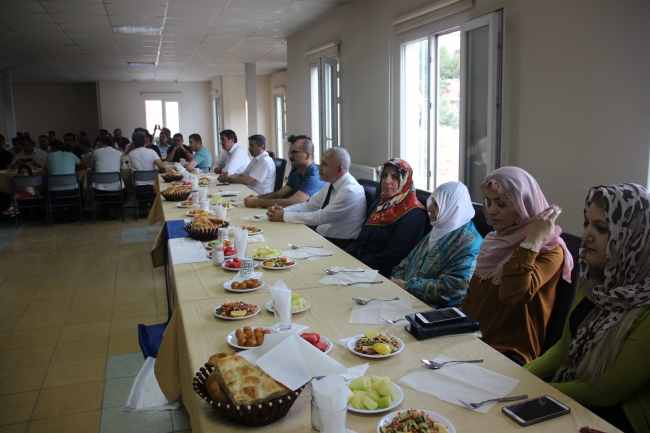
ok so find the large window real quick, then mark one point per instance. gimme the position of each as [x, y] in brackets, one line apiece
[279, 114]
[324, 105]
[450, 92]
[163, 112]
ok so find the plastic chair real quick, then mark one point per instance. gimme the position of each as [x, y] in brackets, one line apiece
[18, 182]
[71, 198]
[109, 196]
[280, 167]
[371, 190]
[481, 224]
[147, 195]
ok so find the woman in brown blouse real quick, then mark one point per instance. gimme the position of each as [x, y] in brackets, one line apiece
[512, 291]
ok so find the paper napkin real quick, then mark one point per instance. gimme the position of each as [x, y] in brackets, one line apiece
[349, 277]
[372, 312]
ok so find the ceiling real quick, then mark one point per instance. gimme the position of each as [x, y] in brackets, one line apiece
[73, 41]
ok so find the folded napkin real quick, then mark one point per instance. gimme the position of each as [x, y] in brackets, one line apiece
[260, 217]
[240, 239]
[467, 382]
[186, 250]
[372, 312]
[349, 277]
[252, 239]
[307, 253]
[145, 393]
[282, 301]
[237, 202]
[233, 192]
[331, 396]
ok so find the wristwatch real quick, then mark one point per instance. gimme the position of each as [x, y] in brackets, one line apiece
[529, 246]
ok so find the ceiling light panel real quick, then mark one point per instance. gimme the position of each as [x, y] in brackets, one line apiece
[74, 8]
[128, 32]
[137, 21]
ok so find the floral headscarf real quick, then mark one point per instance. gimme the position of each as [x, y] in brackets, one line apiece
[392, 208]
[626, 282]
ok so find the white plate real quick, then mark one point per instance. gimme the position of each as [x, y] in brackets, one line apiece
[328, 342]
[276, 268]
[434, 416]
[397, 399]
[258, 232]
[186, 206]
[264, 258]
[223, 265]
[352, 341]
[269, 308]
[227, 284]
[236, 318]
[192, 215]
[209, 254]
[231, 339]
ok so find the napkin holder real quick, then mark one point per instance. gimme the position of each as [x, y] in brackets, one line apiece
[420, 331]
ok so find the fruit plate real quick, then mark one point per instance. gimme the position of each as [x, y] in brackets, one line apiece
[227, 284]
[273, 256]
[209, 254]
[192, 215]
[278, 268]
[398, 397]
[257, 311]
[329, 344]
[385, 421]
[269, 307]
[352, 342]
[258, 232]
[223, 265]
[231, 338]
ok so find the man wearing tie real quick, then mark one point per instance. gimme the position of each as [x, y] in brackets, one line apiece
[338, 210]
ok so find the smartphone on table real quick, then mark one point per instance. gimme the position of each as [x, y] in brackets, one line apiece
[535, 410]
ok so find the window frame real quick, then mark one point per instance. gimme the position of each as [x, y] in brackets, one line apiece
[163, 102]
[328, 114]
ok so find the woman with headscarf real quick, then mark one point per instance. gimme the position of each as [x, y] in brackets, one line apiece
[396, 223]
[438, 270]
[512, 291]
[601, 361]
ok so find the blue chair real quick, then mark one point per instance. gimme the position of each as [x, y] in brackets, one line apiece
[19, 182]
[107, 197]
[64, 197]
[143, 192]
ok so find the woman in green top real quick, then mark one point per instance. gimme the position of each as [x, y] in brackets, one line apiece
[602, 359]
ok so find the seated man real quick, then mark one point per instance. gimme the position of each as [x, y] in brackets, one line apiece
[234, 159]
[83, 139]
[164, 142]
[72, 145]
[44, 144]
[107, 159]
[260, 173]
[179, 150]
[29, 154]
[149, 144]
[120, 141]
[143, 159]
[15, 148]
[202, 157]
[338, 210]
[60, 162]
[303, 179]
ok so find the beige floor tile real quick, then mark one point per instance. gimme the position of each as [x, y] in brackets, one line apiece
[123, 344]
[48, 306]
[80, 302]
[134, 310]
[130, 325]
[46, 320]
[26, 356]
[55, 283]
[161, 294]
[98, 277]
[134, 267]
[15, 408]
[134, 297]
[70, 373]
[3, 338]
[8, 323]
[89, 315]
[85, 331]
[161, 307]
[53, 293]
[32, 337]
[160, 284]
[13, 308]
[19, 285]
[162, 318]
[133, 286]
[95, 289]
[80, 349]
[14, 428]
[69, 399]
[22, 379]
[159, 272]
[16, 295]
[86, 422]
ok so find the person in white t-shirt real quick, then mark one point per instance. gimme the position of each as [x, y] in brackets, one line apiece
[144, 159]
[107, 159]
[234, 158]
[259, 175]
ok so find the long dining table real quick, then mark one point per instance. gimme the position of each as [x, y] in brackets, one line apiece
[194, 334]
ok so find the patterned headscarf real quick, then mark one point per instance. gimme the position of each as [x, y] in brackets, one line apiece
[392, 208]
[627, 269]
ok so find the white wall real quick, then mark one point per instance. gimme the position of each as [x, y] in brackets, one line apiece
[122, 106]
[576, 89]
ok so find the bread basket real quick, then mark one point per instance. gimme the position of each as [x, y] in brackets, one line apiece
[204, 234]
[255, 415]
[182, 196]
[171, 177]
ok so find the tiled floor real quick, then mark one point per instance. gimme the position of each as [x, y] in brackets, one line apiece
[71, 297]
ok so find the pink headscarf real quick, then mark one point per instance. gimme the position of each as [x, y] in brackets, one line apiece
[520, 191]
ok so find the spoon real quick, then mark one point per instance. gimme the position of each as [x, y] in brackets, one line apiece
[481, 403]
[327, 271]
[348, 284]
[363, 301]
[438, 365]
[295, 247]
[391, 322]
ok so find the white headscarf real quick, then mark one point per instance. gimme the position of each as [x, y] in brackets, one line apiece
[456, 209]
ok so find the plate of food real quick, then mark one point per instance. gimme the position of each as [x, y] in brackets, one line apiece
[247, 337]
[265, 252]
[204, 181]
[374, 394]
[252, 230]
[228, 206]
[194, 212]
[278, 263]
[243, 285]
[298, 304]
[228, 253]
[375, 345]
[415, 420]
[185, 204]
[236, 310]
[234, 264]
[318, 341]
[181, 183]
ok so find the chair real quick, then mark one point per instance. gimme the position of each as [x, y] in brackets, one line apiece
[564, 294]
[64, 197]
[27, 203]
[423, 197]
[108, 196]
[271, 154]
[143, 192]
[371, 189]
[481, 224]
[280, 167]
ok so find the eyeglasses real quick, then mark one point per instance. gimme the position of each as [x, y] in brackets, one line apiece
[293, 152]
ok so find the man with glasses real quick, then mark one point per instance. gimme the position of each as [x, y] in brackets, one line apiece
[259, 175]
[303, 181]
[234, 158]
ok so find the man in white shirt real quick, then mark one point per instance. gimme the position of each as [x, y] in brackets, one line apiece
[29, 154]
[144, 159]
[259, 175]
[338, 210]
[234, 158]
[107, 159]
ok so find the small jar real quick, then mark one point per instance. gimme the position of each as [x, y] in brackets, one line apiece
[194, 198]
[217, 253]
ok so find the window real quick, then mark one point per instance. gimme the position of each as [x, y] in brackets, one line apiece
[280, 114]
[449, 99]
[163, 112]
[324, 105]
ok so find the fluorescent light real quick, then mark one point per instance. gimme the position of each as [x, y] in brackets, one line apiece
[145, 64]
[131, 30]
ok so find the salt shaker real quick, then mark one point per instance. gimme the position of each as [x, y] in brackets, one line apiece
[217, 253]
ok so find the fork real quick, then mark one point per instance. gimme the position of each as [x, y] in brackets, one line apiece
[363, 301]
[327, 271]
[295, 247]
[438, 365]
[481, 403]
[316, 255]
[391, 322]
[343, 283]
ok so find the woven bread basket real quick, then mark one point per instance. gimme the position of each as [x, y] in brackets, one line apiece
[171, 177]
[176, 196]
[204, 234]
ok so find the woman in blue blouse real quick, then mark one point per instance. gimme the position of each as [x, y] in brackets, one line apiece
[396, 223]
[438, 270]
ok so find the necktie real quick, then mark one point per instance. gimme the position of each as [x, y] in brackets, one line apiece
[327, 198]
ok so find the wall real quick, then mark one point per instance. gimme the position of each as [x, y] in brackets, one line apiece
[576, 89]
[122, 106]
[62, 108]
